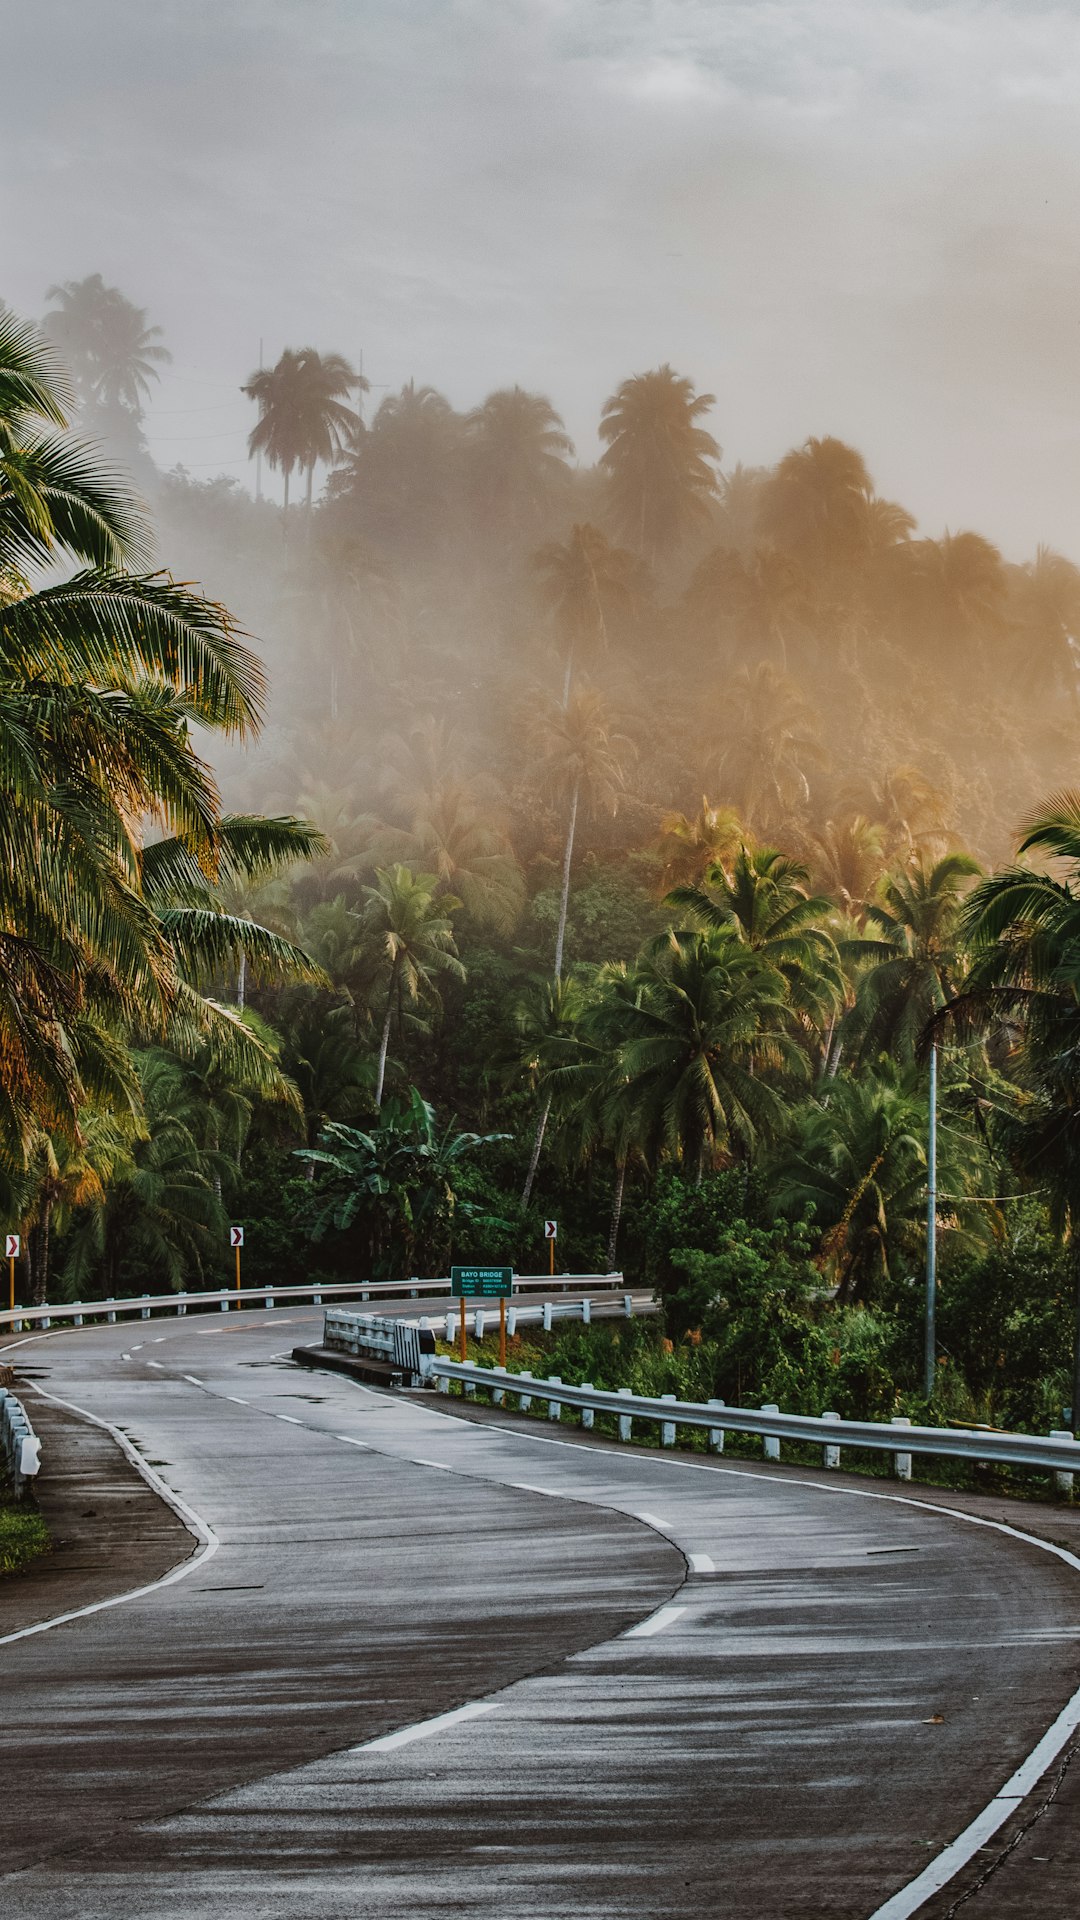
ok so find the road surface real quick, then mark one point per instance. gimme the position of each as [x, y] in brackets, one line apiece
[690, 1688]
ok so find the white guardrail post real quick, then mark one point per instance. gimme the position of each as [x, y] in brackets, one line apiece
[1057, 1453]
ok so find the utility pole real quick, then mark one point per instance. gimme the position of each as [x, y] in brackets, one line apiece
[258, 456]
[931, 1234]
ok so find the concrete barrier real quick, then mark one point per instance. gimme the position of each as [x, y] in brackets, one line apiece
[19, 1444]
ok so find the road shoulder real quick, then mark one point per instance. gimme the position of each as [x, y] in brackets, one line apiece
[109, 1530]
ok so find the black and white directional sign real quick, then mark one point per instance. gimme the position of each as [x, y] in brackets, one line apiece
[12, 1246]
[236, 1236]
[551, 1229]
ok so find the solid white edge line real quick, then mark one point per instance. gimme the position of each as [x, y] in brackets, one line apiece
[949, 1862]
[195, 1524]
[656, 1623]
[437, 1724]
[902, 1904]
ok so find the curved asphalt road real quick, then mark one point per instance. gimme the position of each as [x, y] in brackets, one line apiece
[700, 1689]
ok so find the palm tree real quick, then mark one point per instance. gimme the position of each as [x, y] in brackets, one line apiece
[858, 1158]
[546, 1018]
[519, 449]
[765, 900]
[578, 762]
[768, 739]
[1024, 930]
[302, 413]
[847, 856]
[102, 675]
[585, 581]
[686, 847]
[412, 929]
[1046, 598]
[918, 955]
[452, 836]
[106, 341]
[816, 504]
[659, 462]
[403, 478]
[708, 1040]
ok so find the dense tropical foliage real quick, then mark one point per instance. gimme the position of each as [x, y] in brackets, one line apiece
[658, 814]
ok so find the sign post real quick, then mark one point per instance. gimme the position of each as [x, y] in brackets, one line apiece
[551, 1234]
[482, 1283]
[236, 1239]
[12, 1249]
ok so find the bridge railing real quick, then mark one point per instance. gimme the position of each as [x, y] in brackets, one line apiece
[1058, 1451]
[372, 1336]
[19, 1444]
[142, 1306]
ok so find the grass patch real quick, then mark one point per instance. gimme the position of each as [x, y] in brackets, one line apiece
[23, 1534]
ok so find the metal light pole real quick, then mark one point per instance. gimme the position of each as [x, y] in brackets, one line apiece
[931, 1234]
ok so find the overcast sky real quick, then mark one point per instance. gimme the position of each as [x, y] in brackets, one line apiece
[858, 217]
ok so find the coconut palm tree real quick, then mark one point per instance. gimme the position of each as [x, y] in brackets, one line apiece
[767, 739]
[411, 928]
[586, 583]
[112, 352]
[816, 505]
[765, 900]
[686, 847]
[302, 413]
[659, 462]
[710, 1039]
[518, 449]
[579, 762]
[102, 674]
[1024, 930]
[915, 944]
[857, 1156]
[546, 1018]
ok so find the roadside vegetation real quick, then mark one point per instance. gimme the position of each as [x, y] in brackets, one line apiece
[620, 841]
[23, 1534]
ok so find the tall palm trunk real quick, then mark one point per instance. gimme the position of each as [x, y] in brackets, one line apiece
[567, 857]
[1076, 1343]
[541, 1128]
[241, 982]
[40, 1289]
[307, 496]
[616, 1215]
[285, 513]
[385, 1041]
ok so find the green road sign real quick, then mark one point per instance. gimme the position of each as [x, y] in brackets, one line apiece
[487, 1282]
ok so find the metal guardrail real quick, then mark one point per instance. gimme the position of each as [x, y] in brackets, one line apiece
[77, 1313]
[1058, 1452]
[409, 1345]
[19, 1444]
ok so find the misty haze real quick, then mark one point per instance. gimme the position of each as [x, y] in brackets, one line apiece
[540, 949]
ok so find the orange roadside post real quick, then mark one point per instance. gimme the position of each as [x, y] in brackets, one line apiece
[502, 1329]
[463, 1351]
[13, 1248]
[236, 1240]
